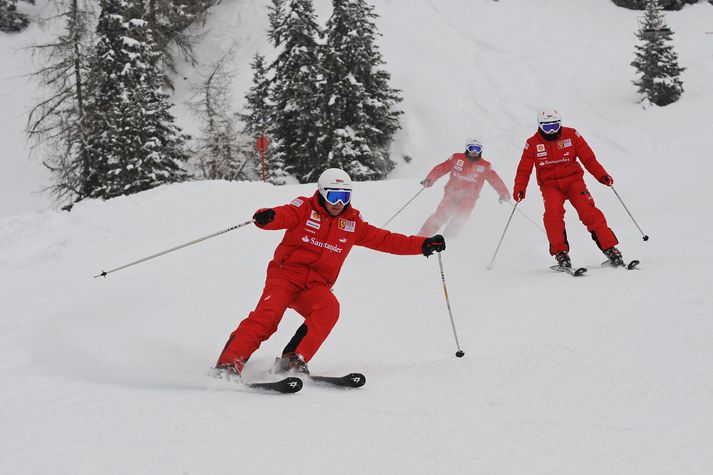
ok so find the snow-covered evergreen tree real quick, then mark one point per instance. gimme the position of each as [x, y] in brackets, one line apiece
[295, 116]
[256, 121]
[10, 19]
[656, 61]
[665, 4]
[359, 115]
[169, 22]
[133, 142]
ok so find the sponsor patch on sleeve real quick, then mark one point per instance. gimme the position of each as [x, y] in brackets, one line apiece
[297, 202]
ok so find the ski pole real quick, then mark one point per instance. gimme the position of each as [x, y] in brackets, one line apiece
[645, 238]
[105, 273]
[529, 219]
[402, 208]
[459, 353]
[490, 266]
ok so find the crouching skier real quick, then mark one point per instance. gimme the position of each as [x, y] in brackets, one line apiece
[320, 232]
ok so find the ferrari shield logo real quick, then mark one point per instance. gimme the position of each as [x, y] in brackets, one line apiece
[345, 225]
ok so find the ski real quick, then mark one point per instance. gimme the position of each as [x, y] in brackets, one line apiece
[630, 266]
[287, 385]
[351, 380]
[574, 272]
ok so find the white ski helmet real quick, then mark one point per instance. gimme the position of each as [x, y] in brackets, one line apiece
[474, 146]
[335, 180]
[550, 116]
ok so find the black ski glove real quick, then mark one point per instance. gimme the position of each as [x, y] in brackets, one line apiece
[264, 216]
[433, 244]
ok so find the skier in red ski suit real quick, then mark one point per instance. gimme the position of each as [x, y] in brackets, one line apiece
[320, 232]
[554, 150]
[468, 170]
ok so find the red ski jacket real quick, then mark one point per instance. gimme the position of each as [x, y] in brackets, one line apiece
[556, 160]
[468, 176]
[316, 243]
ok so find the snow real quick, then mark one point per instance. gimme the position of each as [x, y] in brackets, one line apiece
[607, 373]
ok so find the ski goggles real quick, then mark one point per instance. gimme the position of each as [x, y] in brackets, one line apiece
[474, 148]
[338, 196]
[550, 127]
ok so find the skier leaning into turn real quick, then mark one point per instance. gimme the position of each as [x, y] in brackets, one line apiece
[320, 232]
[553, 150]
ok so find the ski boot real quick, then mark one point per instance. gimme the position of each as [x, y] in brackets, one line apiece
[293, 363]
[563, 259]
[230, 371]
[614, 256]
[232, 367]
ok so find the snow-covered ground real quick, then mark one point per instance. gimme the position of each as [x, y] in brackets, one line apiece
[609, 373]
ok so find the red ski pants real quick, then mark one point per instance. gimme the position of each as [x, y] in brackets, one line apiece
[578, 195]
[318, 306]
[454, 206]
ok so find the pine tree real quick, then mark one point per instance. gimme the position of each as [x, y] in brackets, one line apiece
[296, 86]
[56, 125]
[665, 4]
[169, 22]
[10, 19]
[217, 154]
[656, 61]
[256, 121]
[360, 119]
[133, 142]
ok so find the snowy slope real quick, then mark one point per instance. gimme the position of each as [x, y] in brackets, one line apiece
[609, 373]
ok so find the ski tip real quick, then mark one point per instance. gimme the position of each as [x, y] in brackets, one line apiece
[632, 265]
[348, 381]
[570, 270]
[358, 380]
[286, 386]
[291, 384]
[294, 384]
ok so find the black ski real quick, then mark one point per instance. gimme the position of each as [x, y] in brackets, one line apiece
[351, 380]
[287, 386]
[630, 266]
[570, 270]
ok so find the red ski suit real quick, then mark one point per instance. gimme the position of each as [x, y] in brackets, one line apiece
[304, 268]
[461, 192]
[561, 178]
